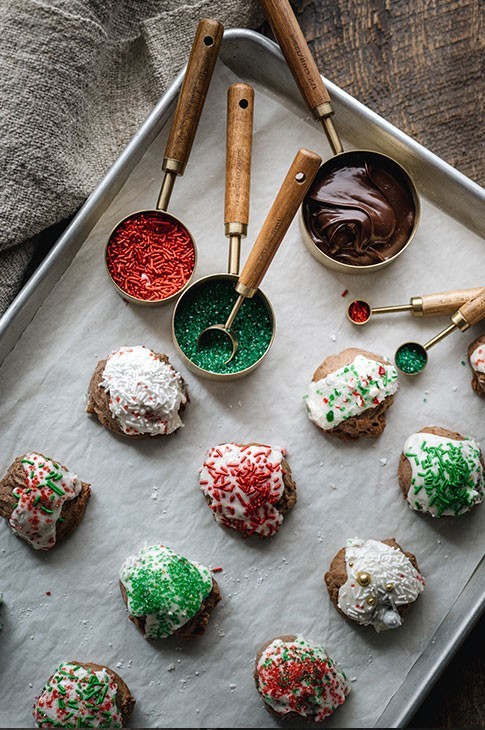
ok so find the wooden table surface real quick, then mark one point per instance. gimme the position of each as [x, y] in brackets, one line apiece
[419, 65]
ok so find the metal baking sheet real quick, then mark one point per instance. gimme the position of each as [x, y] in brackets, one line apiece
[452, 204]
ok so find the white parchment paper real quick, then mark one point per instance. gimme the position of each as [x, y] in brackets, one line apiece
[144, 492]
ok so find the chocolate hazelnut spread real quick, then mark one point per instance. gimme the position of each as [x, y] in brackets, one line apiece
[359, 212]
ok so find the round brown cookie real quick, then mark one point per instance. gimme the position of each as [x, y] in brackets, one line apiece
[125, 701]
[195, 626]
[287, 679]
[371, 422]
[478, 379]
[98, 400]
[286, 502]
[337, 576]
[72, 510]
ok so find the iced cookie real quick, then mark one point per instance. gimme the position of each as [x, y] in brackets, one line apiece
[350, 394]
[167, 594]
[297, 678]
[476, 358]
[441, 472]
[83, 695]
[137, 392]
[373, 582]
[42, 500]
[248, 487]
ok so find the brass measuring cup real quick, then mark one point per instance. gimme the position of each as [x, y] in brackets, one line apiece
[200, 66]
[411, 357]
[303, 67]
[427, 305]
[282, 212]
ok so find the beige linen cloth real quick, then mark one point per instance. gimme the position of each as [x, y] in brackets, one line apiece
[77, 78]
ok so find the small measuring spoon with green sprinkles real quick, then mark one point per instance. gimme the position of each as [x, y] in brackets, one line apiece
[411, 357]
[295, 185]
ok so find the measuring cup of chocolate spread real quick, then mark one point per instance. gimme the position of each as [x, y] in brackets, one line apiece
[362, 209]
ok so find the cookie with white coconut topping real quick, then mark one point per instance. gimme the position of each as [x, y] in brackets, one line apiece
[350, 394]
[373, 582]
[297, 679]
[476, 358]
[248, 487]
[137, 393]
[42, 500]
[83, 694]
[441, 473]
[167, 594]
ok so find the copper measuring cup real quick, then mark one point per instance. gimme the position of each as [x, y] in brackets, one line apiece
[148, 224]
[427, 305]
[239, 132]
[311, 85]
[411, 357]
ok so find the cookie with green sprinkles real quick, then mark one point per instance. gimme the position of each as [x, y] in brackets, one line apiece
[441, 472]
[166, 594]
[42, 501]
[83, 694]
[350, 393]
[297, 679]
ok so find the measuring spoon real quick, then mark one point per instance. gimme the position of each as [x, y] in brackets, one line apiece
[353, 219]
[151, 255]
[411, 358]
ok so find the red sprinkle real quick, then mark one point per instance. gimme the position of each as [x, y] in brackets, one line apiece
[344, 293]
[217, 570]
[359, 311]
[48, 593]
[150, 256]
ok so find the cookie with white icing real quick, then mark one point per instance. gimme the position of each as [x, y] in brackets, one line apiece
[350, 394]
[297, 679]
[136, 392]
[83, 694]
[476, 358]
[373, 582]
[441, 472]
[248, 487]
[42, 500]
[167, 594]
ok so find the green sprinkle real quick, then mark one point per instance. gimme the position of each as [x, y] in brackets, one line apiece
[61, 703]
[330, 416]
[37, 500]
[61, 689]
[46, 509]
[55, 488]
[26, 461]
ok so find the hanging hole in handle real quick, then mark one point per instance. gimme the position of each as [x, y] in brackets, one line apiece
[244, 103]
[300, 177]
[208, 40]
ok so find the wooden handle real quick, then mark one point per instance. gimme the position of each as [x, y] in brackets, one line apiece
[294, 188]
[474, 310]
[295, 49]
[192, 96]
[446, 302]
[240, 105]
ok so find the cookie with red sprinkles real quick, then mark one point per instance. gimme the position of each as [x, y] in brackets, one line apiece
[249, 487]
[42, 501]
[83, 695]
[476, 358]
[297, 679]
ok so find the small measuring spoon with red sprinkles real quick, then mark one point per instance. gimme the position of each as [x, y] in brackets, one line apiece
[151, 255]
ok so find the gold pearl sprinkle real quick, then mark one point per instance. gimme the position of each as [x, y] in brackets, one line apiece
[370, 600]
[389, 587]
[363, 579]
[351, 565]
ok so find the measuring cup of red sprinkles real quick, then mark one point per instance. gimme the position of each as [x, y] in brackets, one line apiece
[151, 255]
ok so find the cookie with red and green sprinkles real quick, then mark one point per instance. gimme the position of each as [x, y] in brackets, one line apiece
[166, 594]
[350, 394]
[83, 695]
[42, 501]
[297, 678]
[441, 473]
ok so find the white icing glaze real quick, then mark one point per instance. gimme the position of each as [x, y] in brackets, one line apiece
[299, 676]
[349, 391]
[477, 359]
[447, 474]
[145, 394]
[47, 486]
[243, 484]
[393, 582]
[164, 588]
